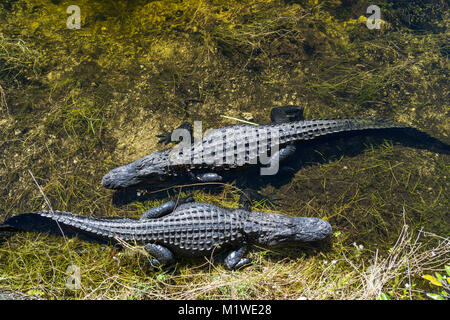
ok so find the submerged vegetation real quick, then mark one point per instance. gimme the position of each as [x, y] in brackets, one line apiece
[75, 103]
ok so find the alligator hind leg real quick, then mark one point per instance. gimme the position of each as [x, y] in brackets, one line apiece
[236, 259]
[159, 211]
[165, 208]
[286, 114]
[280, 155]
[161, 255]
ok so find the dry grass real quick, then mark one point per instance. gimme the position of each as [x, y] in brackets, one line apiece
[411, 256]
[138, 67]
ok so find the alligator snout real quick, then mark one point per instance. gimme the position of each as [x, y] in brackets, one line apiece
[312, 229]
[120, 177]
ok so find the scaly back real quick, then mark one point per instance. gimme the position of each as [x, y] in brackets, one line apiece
[239, 145]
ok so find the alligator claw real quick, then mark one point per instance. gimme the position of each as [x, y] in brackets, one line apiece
[244, 262]
[187, 199]
[271, 200]
[236, 259]
[251, 195]
[165, 137]
[286, 114]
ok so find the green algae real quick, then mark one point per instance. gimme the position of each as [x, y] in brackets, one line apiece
[83, 101]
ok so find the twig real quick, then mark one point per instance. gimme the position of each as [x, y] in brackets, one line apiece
[51, 210]
[3, 103]
[200, 184]
[393, 175]
[236, 119]
[407, 260]
[42, 192]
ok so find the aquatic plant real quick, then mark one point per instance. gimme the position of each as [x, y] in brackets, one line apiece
[85, 100]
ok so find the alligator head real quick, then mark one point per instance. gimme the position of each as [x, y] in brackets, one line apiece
[273, 230]
[152, 168]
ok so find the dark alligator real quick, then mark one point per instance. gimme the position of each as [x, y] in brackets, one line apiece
[240, 146]
[193, 229]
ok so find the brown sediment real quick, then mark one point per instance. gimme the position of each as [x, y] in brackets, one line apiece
[81, 102]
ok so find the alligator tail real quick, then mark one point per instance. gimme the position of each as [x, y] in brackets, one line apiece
[355, 124]
[5, 228]
[315, 128]
[111, 228]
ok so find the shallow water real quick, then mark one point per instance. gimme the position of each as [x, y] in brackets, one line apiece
[80, 102]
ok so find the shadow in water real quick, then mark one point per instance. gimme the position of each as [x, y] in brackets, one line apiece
[308, 153]
[31, 222]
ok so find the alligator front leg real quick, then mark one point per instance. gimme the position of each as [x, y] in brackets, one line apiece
[205, 177]
[286, 114]
[236, 259]
[161, 255]
[209, 177]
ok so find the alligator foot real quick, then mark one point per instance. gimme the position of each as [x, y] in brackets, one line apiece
[249, 195]
[166, 136]
[274, 164]
[236, 259]
[161, 255]
[208, 177]
[286, 114]
[187, 199]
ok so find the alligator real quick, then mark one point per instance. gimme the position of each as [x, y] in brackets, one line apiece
[237, 147]
[189, 229]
